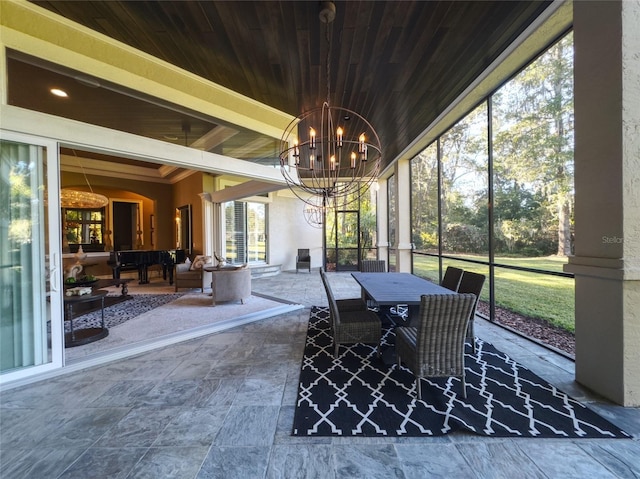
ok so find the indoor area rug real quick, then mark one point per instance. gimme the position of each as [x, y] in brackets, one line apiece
[120, 312]
[357, 394]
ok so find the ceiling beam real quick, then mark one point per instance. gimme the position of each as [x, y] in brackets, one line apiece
[244, 190]
[214, 137]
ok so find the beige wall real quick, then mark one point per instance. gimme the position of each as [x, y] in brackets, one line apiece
[185, 192]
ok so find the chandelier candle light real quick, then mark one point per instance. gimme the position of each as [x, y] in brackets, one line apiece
[341, 160]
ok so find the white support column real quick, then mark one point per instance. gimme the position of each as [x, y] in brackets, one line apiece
[402, 177]
[382, 215]
[218, 242]
[207, 224]
[607, 213]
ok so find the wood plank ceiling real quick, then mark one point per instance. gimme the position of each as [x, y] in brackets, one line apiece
[397, 63]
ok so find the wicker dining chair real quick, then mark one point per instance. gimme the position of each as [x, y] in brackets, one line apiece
[346, 304]
[472, 283]
[352, 326]
[435, 348]
[373, 266]
[452, 277]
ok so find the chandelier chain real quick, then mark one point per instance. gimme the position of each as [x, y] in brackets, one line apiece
[328, 39]
[82, 168]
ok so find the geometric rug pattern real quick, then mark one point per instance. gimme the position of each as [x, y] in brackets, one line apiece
[357, 394]
[120, 312]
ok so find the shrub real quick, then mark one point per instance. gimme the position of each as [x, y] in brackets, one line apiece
[464, 239]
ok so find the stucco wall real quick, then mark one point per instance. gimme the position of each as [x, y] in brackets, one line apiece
[289, 231]
[607, 213]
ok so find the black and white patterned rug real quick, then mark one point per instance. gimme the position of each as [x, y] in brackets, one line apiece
[120, 312]
[358, 395]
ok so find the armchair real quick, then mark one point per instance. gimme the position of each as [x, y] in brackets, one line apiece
[303, 260]
[193, 275]
[231, 284]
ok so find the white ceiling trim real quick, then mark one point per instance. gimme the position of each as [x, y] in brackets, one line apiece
[92, 167]
[81, 136]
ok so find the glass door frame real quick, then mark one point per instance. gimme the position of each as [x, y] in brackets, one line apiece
[335, 244]
[51, 172]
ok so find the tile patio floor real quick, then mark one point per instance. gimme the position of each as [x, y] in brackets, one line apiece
[221, 406]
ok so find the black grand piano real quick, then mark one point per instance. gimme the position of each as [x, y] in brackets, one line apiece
[140, 260]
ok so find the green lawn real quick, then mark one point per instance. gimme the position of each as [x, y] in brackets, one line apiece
[535, 295]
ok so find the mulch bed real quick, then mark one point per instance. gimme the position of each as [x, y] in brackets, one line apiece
[534, 328]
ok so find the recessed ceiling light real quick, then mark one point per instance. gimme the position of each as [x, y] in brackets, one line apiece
[59, 92]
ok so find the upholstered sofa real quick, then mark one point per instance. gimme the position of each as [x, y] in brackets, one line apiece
[193, 275]
[231, 284]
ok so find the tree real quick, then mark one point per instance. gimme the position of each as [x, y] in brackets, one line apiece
[463, 151]
[533, 146]
[424, 198]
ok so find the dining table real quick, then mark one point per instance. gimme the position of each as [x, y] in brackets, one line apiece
[388, 289]
[399, 296]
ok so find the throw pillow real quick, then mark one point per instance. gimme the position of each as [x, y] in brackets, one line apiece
[199, 261]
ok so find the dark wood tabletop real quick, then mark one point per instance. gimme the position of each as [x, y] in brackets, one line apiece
[397, 288]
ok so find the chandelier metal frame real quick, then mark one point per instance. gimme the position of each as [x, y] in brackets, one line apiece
[329, 152]
[314, 211]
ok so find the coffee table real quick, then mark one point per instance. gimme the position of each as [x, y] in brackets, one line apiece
[78, 337]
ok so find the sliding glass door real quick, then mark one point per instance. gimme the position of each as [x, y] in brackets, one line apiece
[30, 278]
[245, 232]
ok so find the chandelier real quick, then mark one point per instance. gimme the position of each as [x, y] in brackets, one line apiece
[329, 152]
[82, 199]
[314, 211]
[70, 198]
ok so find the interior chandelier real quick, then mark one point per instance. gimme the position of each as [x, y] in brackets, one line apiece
[70, 198]
[329, 152]
[82, 199]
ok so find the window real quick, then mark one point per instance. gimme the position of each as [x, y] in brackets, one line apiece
[83, 226]
[392, 221]
[246, 232]
[514, 151]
